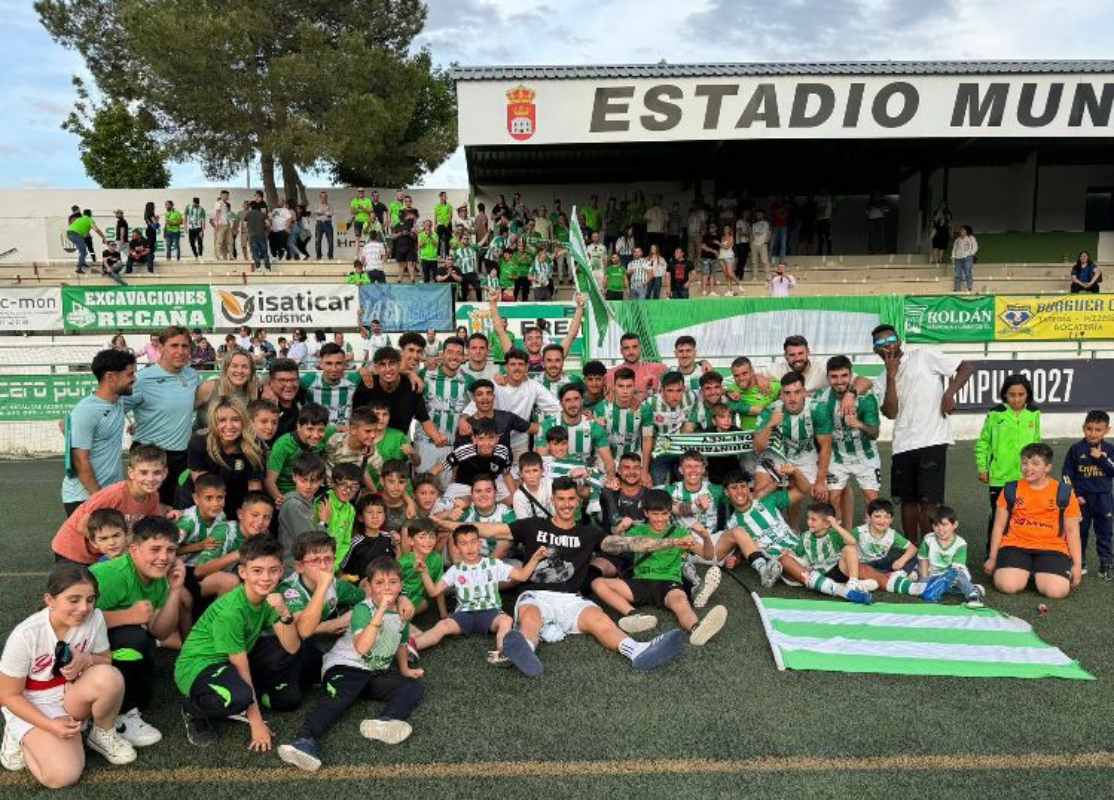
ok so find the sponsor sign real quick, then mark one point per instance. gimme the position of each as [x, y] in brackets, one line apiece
[1058, 385]
[784, 107]
[26, 398]
[1053, 317]
[31, 309]
[949, 319]
[553, 317]
[407, 307]
[95, 309]
[283, 306]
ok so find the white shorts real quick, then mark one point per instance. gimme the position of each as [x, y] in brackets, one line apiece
[17, 727]
[701, 559]
[868, 474]
[559, 610]
[808, 469]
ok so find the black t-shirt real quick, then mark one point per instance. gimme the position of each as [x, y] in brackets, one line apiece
[719, 467]
[236, 475]
[405, 404]
[505, 422]
[380, 211]
[288, 417]
[712, 241]
[469, 464]
[679, 272]
[565, 568]
[614, 505]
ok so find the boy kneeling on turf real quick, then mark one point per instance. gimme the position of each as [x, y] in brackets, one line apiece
[476, 579]
[214, 671]
[358, 666]
[657, 578]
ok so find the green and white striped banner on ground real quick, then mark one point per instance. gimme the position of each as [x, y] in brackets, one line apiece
[908, 639]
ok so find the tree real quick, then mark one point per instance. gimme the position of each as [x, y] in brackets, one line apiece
[117, 147]
[299, 84]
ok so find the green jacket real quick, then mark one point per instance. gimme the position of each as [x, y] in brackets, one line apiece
[1004, 433]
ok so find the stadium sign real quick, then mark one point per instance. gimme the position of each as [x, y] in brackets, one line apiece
[29, 310]
[1058, 385]
[100, 309]
[949, 319]
[787, 107]
[1052, 318]
[284, 306]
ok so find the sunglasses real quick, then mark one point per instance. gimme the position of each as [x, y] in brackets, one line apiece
[891, 339]
[63, 655]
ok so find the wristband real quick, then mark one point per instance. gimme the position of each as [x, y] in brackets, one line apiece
[287, 620]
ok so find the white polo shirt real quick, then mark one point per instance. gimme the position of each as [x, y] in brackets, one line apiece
[920, 388]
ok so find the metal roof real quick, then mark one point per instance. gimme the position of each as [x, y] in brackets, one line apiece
[666, 70]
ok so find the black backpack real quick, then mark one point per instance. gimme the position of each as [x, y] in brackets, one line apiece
[1063, 498]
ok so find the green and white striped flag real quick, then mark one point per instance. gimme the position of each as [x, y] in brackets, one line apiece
[585, 283]
[908, 639]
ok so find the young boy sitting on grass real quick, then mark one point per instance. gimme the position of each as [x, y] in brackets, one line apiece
[336, 511]
[308, 436]
[944, 553]
[656, 579]
[359, 666]
[297, 512]
[253, 519]
[423, 537]
[214, 671]
[476, 579]
[107, 533]
[880, 546]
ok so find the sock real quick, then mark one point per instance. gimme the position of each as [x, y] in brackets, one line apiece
[899, 583]
[630, 648]
[819, 583]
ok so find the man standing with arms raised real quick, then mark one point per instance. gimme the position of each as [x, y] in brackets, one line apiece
[914, 396]
[95, 430]
[162, 403]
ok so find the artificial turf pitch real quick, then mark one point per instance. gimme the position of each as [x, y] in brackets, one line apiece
[721, 722]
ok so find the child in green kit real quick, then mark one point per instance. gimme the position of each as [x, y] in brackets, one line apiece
[359, 666]
[197, 522]
[656, 578]
[253, 519]
[336, 512]
[309, 435]
[423, 537]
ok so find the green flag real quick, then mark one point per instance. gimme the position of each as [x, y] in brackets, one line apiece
[585, 283]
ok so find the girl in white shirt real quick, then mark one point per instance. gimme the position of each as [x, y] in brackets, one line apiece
[56, 672]
[963, 254]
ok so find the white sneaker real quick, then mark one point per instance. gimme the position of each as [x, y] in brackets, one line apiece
[137, 732]
[11, 753]
[708, 627]
[707, 587]
[637, 623]
[770, 572]
[388, 731]
[110, 744]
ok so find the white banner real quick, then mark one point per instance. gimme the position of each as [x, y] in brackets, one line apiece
[283, 306]
[783, 107]
[31, 310]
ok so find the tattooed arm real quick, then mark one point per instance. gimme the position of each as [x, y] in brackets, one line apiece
[616, 545]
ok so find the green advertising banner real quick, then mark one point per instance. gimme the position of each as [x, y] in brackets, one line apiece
[97, 309]
[521, 317]
[945, 318]
[27, 398]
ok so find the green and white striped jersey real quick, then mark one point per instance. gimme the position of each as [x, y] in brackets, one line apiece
[445, 398]
[489, 372]
[564, 467]
[498, 514]
[192, 529]
[392, 633]
[819, 552]
[340, 594]
[555, 386]
[228, 539]
[464, 258]
[477, 585]
[335, 397]
[940, 559]
[692, 380]
[872, 548]
[850, 445]
[663, 420]
[798, 432]
[765, 525]
[708, 517]
[586, 437]
[623, 426]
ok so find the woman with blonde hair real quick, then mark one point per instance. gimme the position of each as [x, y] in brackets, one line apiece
[236, 379]
[228, 448]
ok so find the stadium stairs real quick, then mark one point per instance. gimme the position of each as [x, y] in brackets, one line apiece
[817, 275]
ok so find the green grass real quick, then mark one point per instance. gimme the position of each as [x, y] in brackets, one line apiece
[722, 707]
[1053, 247]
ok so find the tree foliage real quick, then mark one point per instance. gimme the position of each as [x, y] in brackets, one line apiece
[117, 147]
[301, 84]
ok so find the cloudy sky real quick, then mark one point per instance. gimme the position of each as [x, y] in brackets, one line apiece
[35, 152]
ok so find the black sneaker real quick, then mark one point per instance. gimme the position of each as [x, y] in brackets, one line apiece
[1106, 572]
[199, 731]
